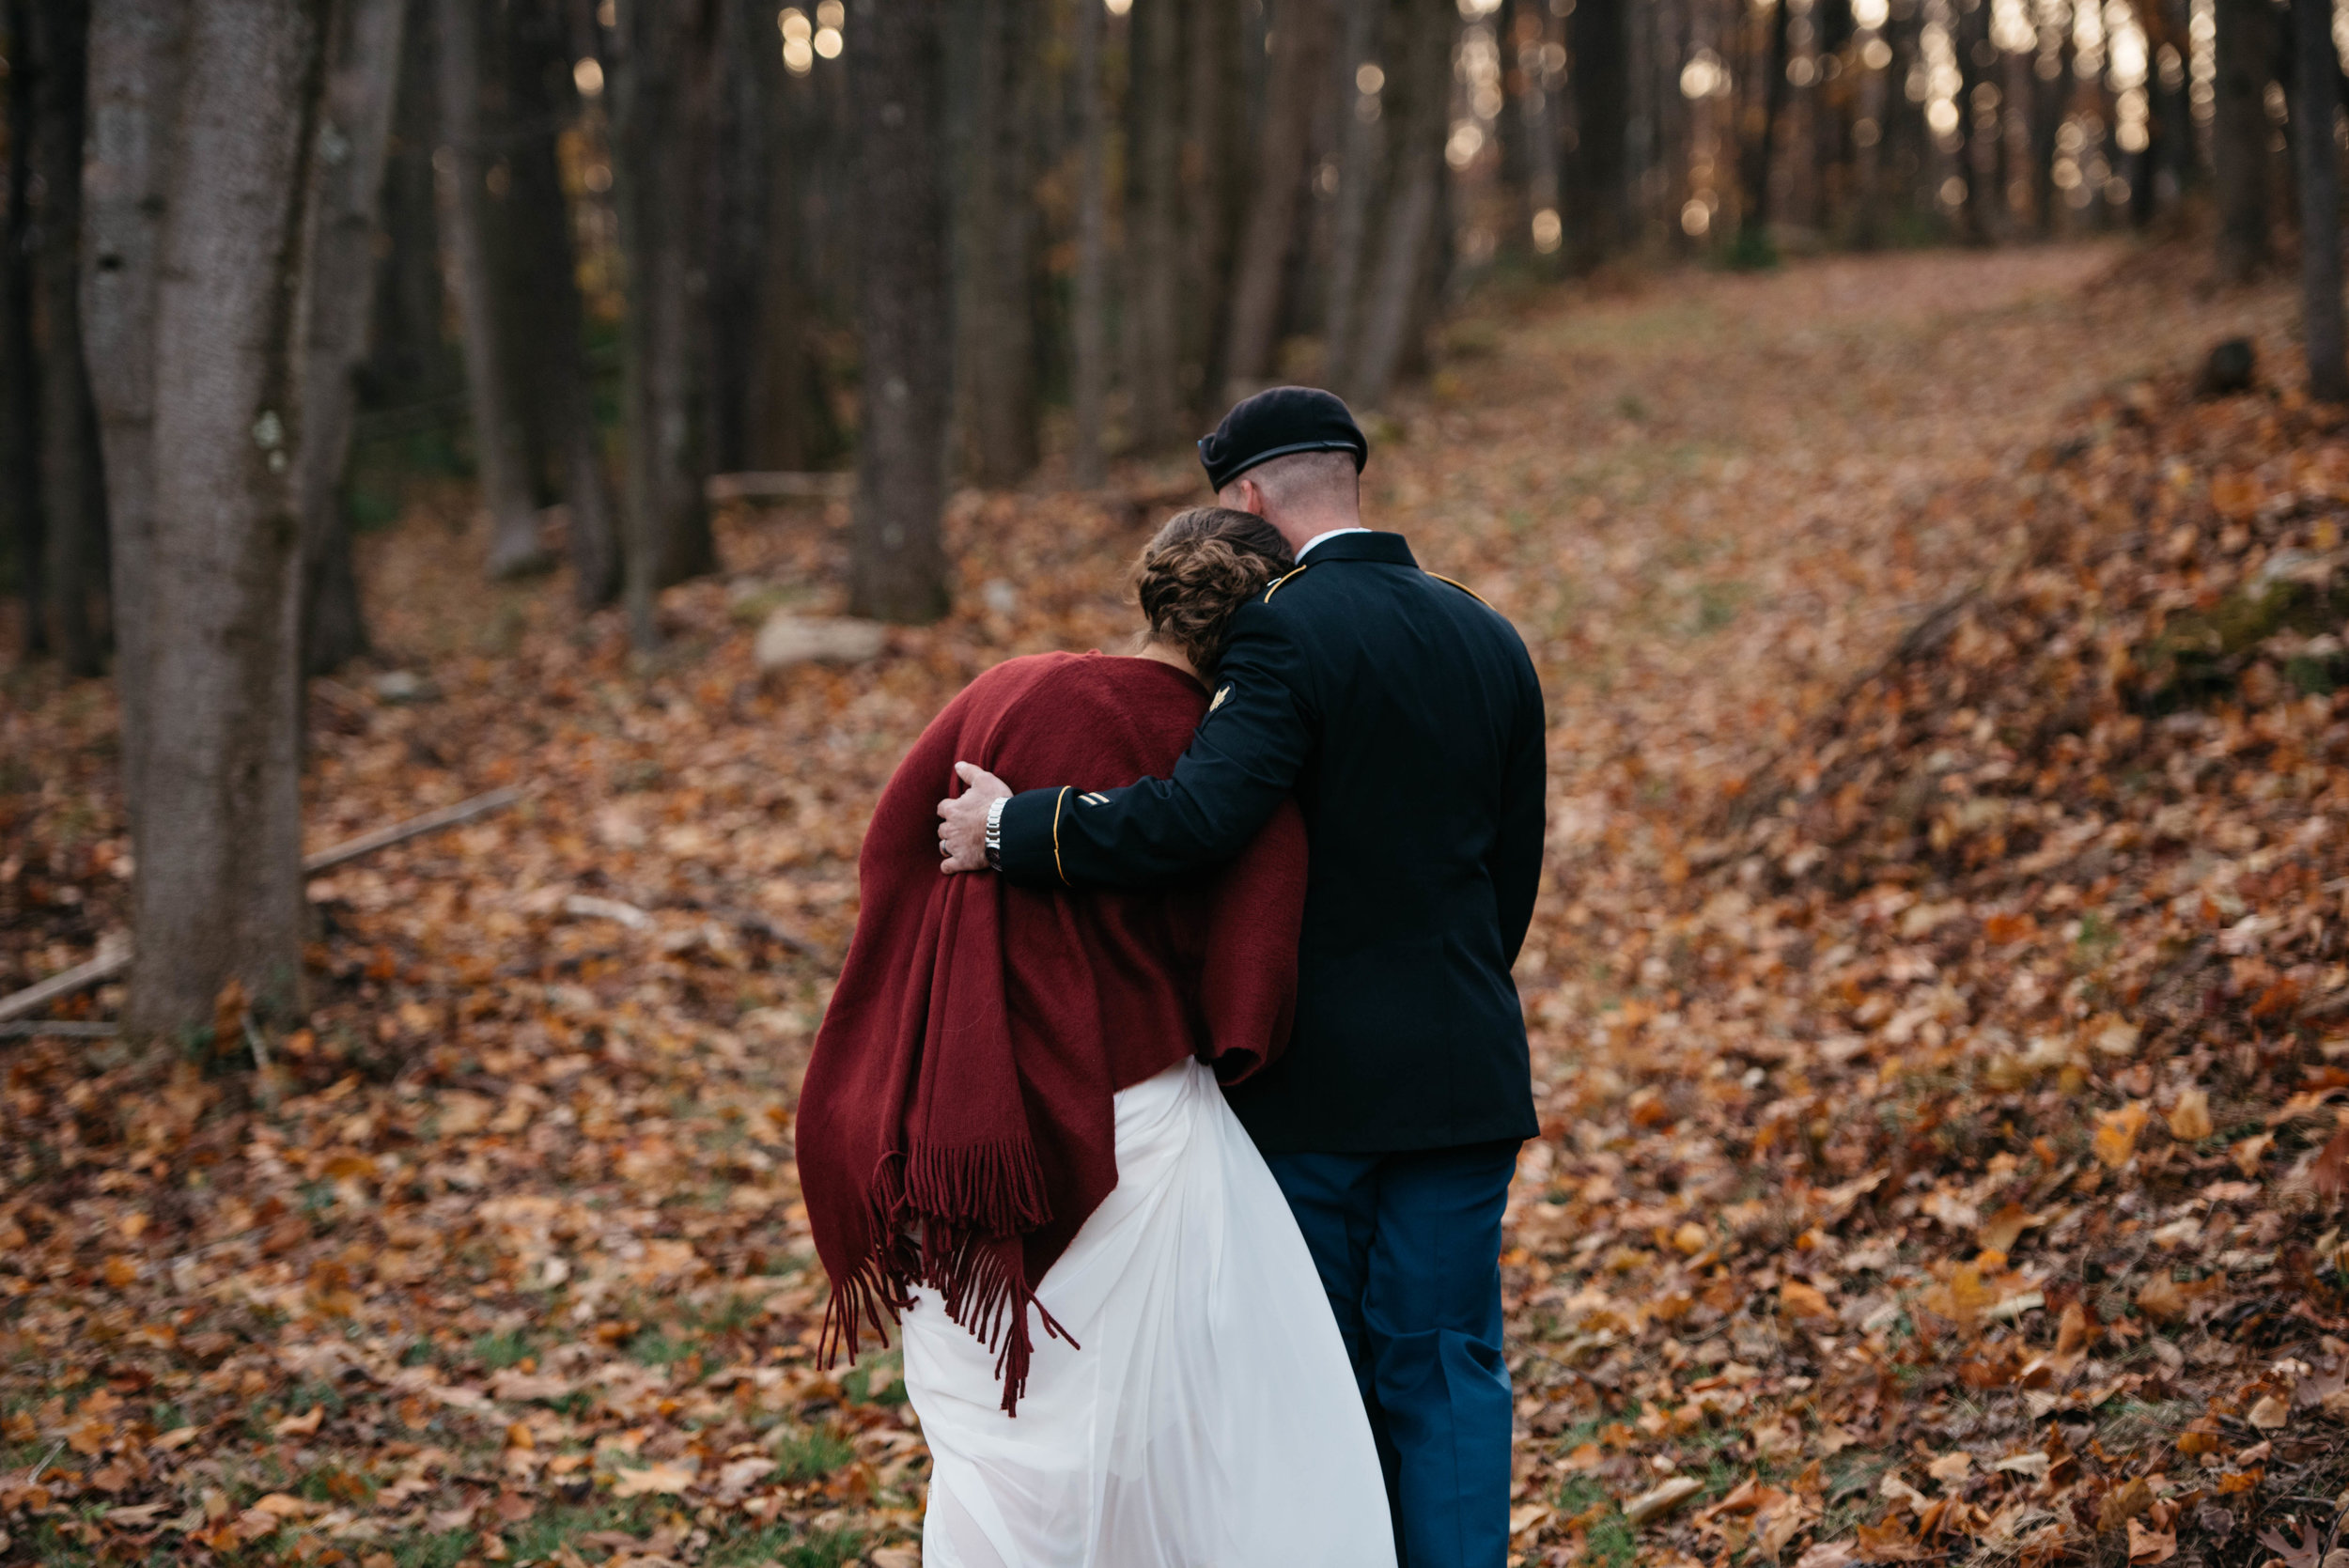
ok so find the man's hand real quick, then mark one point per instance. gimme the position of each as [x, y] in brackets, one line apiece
[962, 818]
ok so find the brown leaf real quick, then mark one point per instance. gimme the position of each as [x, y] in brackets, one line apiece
[2189, 1122]
[2329, 1175]
[1659, 1501]
[1798, 1299]
[659, 1477]
[2150, 1546]
[2124, 1503]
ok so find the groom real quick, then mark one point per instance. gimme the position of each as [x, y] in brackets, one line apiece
[1404, 716]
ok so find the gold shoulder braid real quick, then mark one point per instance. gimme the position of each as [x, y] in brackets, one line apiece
[1464, 588]
[1275, 586]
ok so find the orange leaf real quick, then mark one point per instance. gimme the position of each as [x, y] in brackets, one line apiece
[1796, 1299]
[2190, 1119]
[2116, 1134]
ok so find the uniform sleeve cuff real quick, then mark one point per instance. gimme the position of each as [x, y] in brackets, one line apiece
[1030, 854]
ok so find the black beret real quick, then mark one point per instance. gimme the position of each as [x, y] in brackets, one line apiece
[1274, 424]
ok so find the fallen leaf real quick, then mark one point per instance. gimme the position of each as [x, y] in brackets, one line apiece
[661, 1477]
[1796, 1299]
[2124, 1503]
[2269, 1413]
[1657, 1502]
[2116, 1134]
[303, 1425]
[1950, 1466]
[2149, 1546]
[2190, 1120]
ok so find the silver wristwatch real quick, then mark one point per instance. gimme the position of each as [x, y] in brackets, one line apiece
[995, 832]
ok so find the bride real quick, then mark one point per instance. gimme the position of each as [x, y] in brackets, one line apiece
[1012, 1140]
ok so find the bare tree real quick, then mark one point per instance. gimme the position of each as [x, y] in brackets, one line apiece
[20, 428]
[1757, 149]
[660, 138]
[1360, 82]
[900, 563]
[1088, 329]
[1214, 185]
[1302, 43]
[553, 355]
[995, 325]
[2246, 48]
[134, 75]
[217, 829]
[1598, 52]
[1153, 221]
[408, 360]
[1410, 241]
[72, 485]
[343, 211]
[2318, 98]
[498, 455]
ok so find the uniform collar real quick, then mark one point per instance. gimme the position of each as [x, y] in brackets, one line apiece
[1361, 545]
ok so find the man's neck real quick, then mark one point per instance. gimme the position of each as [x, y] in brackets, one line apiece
[1305, 549]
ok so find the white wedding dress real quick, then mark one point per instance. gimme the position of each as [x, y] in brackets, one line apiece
[1206, 1417]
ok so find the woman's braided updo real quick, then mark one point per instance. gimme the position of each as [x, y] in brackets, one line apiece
[1198, 571]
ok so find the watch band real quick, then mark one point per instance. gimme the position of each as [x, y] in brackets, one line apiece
[995, 832]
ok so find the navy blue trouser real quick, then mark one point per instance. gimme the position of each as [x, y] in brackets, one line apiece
[1408, 1247]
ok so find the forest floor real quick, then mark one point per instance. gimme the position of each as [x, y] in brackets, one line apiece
[1935, 985]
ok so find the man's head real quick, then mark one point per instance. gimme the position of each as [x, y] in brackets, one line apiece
[1293, 457]
[1301, 495]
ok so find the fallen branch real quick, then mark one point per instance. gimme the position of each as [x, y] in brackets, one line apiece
[416, 827]
[69, 1028]
[114, 957]
[779, 487]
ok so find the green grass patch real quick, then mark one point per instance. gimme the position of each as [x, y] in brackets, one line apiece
[505, 1348]
[810, 1455]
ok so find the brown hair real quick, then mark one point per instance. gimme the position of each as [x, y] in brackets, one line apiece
[1198, 571]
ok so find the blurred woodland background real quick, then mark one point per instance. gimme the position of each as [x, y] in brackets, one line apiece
[490, 489]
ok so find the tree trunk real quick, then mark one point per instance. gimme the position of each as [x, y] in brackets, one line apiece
[19, 426]
[660, 139]
[740, 189]
[996, 328]
[1758, 143]
[2051, 100]
[72, 484]
[554, 358]
[1089, 382]
[1409, 245]
[2318, 69]
[499, 458]
[1213, 185]
[2245, 47]
[898, 560]
[1598, 56]
[1152, 224]
[1362, 128]
[1303, 42]
[343, 210]
[792, 425]
[218, 836]
[134, 77]
[407, 361]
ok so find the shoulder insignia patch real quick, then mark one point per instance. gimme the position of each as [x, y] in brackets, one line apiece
[1275, 585]
[1094, 799]
[1463, 587]
[1220, 696]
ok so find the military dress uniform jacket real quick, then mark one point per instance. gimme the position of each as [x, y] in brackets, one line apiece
[1403, 715]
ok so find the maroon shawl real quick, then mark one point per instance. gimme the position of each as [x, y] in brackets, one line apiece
[956, 1127]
